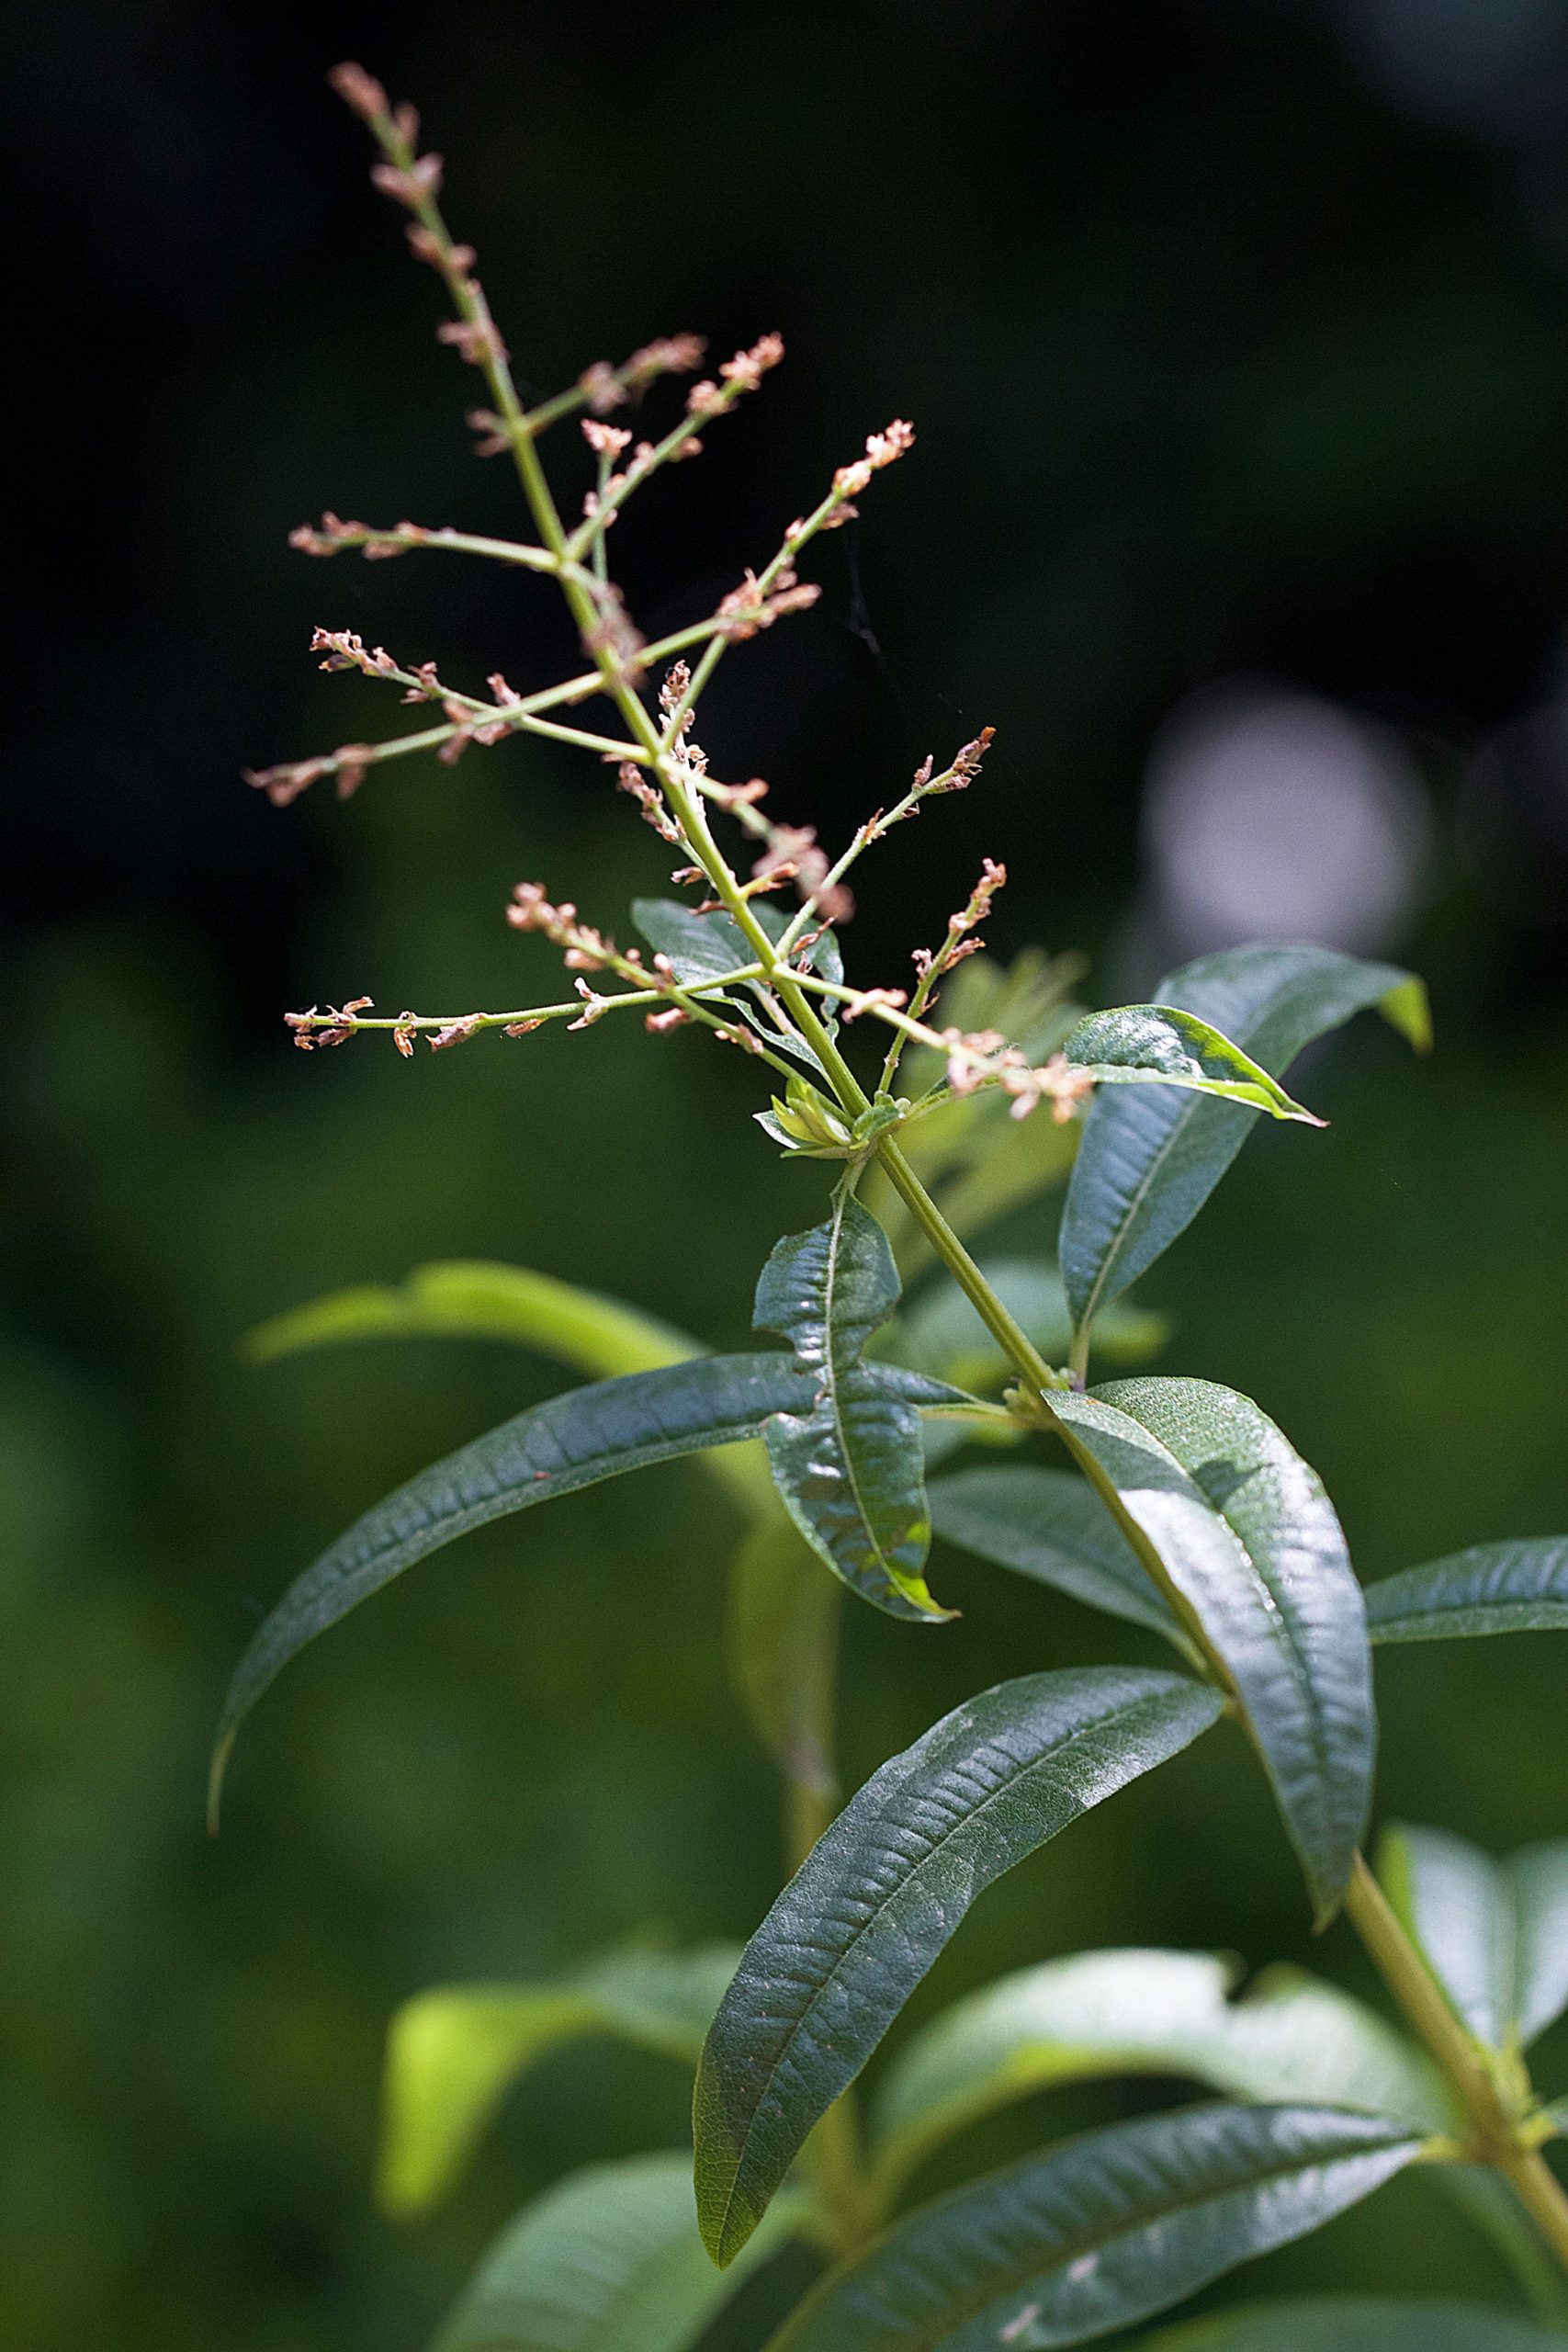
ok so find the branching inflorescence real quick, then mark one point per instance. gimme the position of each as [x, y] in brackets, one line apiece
[658, 761]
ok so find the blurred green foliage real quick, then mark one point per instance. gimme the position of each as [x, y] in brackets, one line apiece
[1221, 357]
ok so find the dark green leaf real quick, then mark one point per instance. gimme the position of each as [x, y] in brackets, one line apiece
[1250, 1538]
[1098, 2233]
[1520, 1588]
[783, 1616]
[452, 2052]
[1149, 1159]
[1290, 2038]
[1052, 1526]
[850, 1466]
[883, 1891]
[608, 2260]
[475, 1300]
[1159, 1045]
[1353, 2324]
[571, 1441]
[705, 948]
[1494, 1933]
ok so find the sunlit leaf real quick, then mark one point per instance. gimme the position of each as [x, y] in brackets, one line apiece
[784, 1615]
[850, 1466]
[942, 1333]
[1159, 1045]
[1150, 1158]
[1098, 2233]
[1250, 1540]
[1520, 1588]
[1289, 2039]
[452, 2052]
[1494, 1933]
[554, 1449]
[884, 1890]
[1359, 2323]
[608, 2260]
[1052, 1526]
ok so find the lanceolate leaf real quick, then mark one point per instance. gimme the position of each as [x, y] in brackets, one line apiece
[571, 1441]
[1150, 1158]
[1496, 1933]
[883, 1891]
[704, 948]
[1098, 2233]
[609, 2260]
[1353, 2324]
[1051, 1525]
[1492, 1588]
[452, 2052]
[475, 1300]
[783, 1617]
[849, 1466]
[1291, 2038]
[1159, 1045]
[1250, 1538]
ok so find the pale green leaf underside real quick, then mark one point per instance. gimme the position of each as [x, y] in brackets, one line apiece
[1250, 1540]
[1100, 2233]
[474, 1299]
[1512, 1587]
[1358, 2323]
[1149, 1159]
[849, 1467]
[553, 1449]
[1496, 1933]
[1160, 1045]
[1289, 2039]
[884, 1890]
[452, 2052]
[1052, 1526]
[608, 2260]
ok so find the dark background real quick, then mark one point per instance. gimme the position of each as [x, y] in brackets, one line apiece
[1237, 336]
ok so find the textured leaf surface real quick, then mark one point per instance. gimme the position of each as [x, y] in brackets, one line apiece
[942, 1333]
[784, 1615]
[463, 1299]
[1290, 2038]
[1149, 1159]
[1358, 2323]
[1520, 1588]
[884, 1888]
[1496, 1933]
[609, 2260]
[1160, 1045]
[1051, 1525]
[452, 2052]
[1270, 1578]
[850, 1467]
[554, 1449]
[1098, 2233]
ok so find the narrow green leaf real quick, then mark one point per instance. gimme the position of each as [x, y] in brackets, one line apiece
[1356, 2323]
[884, 1890]
[850, 1466]
[608, 2260]
[1290, 2038]
[461, 1299]
[1250, 1538]
[942, 1333]
[783, 1614]
[1149, 1159]
[704, 948]
[1494, 1933]
[554, 1449]
[1159, 1045]
[1098, 2233]
[1051, 1525]
[452, 2052]
[1518, 1587]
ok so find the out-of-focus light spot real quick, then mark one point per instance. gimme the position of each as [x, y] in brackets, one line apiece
[1270, 815]
[1499, 68]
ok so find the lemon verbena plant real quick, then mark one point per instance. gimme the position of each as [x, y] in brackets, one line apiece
[1172, 1504]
